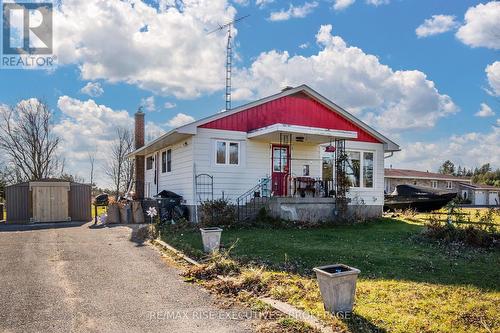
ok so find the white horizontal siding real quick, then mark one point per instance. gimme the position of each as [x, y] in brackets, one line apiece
[305, 154]
[375, 195]
[232, 180]
[254, 163]
[180, 179]
[149, 176]
[197, 155]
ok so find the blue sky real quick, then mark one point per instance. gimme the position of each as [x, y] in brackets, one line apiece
[362, 54]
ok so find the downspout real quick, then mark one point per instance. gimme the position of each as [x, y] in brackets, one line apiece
[390, 155]
[157, 172]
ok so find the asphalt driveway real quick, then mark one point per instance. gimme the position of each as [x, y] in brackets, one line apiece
[76, 279]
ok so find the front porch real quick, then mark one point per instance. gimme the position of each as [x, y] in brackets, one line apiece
[301, 159]
[300, 185]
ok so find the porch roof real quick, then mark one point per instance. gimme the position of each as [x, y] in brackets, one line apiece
[310, 134]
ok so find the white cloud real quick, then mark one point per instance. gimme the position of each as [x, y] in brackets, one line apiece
[263, 3]
[469, 150]
[179, 120]
[136, 43]
[93, 89]
[378, 2]
[482, 26]
[294, 12]
[304, 45]
[485, 111]
[388, 99]
[169, 105]
[493, 75]
[437, 24]
[342, 4]
[87, 126]
[148, 104]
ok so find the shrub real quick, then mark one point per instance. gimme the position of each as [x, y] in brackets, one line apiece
[218, 212]
[180, 224]
[473, 234]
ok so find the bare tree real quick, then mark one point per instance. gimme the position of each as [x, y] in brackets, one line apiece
[128, 165]
[92, 155]
[27, 139]
[119, 168]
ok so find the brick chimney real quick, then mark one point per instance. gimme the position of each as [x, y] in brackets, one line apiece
[139, 160]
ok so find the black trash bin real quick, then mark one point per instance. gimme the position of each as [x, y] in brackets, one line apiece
[170, 206]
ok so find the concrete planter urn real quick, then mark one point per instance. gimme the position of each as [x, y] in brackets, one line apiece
[337, 284]
[211, 239]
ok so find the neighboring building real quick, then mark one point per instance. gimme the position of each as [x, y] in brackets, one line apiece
[480, 195]
[395, 177]
[287, 140]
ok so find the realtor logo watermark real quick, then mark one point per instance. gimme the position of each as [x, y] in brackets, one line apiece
[27, 39]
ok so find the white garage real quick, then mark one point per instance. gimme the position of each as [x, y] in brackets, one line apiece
[480, 198]
[480, 194]
[493, 199]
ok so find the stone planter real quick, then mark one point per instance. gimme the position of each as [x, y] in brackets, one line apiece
[211, 239]
[337, 284]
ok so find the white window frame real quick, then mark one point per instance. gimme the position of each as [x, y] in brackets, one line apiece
[434, 182]
[169, 170]
[449, 185]
[361, 168]
[228, 145]
[161, 167]
[152, 157]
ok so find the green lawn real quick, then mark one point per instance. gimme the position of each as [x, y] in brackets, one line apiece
[405, 284]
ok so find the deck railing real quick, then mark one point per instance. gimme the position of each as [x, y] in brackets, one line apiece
[251, 202]
[311, 187]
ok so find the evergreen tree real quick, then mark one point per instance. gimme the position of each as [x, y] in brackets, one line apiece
[447, 168]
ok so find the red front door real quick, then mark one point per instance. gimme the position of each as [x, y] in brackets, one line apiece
[280, 169]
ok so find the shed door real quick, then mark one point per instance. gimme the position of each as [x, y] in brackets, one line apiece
[480, 198]
[494, 199]
[50, 202]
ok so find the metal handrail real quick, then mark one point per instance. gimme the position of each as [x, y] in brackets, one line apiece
[246, 198]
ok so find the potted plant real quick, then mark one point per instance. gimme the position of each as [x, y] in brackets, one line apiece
[211, 238]
[337, 284]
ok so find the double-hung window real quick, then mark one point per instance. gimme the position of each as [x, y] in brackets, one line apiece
[169, 160]
[227, 153]
[149, 163]
[164, 162]
[360, 168]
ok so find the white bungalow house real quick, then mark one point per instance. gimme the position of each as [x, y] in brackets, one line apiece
[282, 147]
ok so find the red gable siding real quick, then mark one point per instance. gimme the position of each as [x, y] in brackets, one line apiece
[296, 109]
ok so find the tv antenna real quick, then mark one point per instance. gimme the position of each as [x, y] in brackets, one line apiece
[229, 56]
